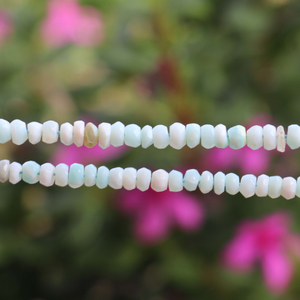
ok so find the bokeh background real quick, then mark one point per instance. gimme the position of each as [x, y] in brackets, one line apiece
[149, 62]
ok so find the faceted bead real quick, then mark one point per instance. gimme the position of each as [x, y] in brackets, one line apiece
[79, 127]
[221, 136]
[62, 175]
[129, 178]
[90, 174]
[15, 173]
[76, 176]
[232, 183]
[293, 136]
[280, 139]
[47, 174]
[289, 186]
[35, 130]
[143, 179]
[219, 183]
[102, 177]
[269, 133]
[160, 136]
[255, 137]
[208, 136]
[5, 131]
[177, 136]
[206, 182]
[275, 184]
[237, 137]
[191, 180]
[90, 135]
[147, 136]
[133, 136]
[31, 172]
[247, 186]
[175, 181]
[18, 132]
[159, 182]
[193, 134]
[4, 170]
[104, 130]
[262, 185]
[66, 134]
[50, 132]
[117, 134]
[115, 179]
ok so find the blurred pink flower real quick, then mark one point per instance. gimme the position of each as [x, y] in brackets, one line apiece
[5, 26]
[155, 213]
[269, 242]
[67, 22]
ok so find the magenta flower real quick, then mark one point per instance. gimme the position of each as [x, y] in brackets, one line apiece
[5, 26]
[67, 22]
[154, 213]
[268, 242]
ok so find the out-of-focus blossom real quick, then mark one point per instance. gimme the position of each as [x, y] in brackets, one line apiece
[5, 26]
[67, 22]
[269, 242]
[154, 213]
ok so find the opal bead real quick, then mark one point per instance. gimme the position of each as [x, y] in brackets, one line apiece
[90, 174]
[147, 136]
[237, 137]
[289, 186]
[18, 132]
[177, 136]
[280, 139]
[160, 179]
[76, 176]
[293, 136]
[219, 183]
[66, 134]
[117, 134]
[15, 173]
[193, 134]
[143, 179]
[90, 135]
[50, 132]
[248, 185]
[262, 185]
[269, 134]
[5, 131]
[4, 170]
[208, 136]
[175, 181]
[79, 127]
[232, 183]
[298, 187]
[35, 130]
[206, 182]
[115, 179]
[102, 177]
[61, 175]
[191, 180]
[104, 130]
[160, 136]
[133, 136]
[221, 136]
[275, 184]
[47, 174]
[31, 172]
[129, 178]
[255, 137]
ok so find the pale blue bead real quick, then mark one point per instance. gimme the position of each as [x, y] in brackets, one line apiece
[5, 131]
[237, 137]
[208, 136]
[90, 174]
[219, 183]
[293, 136]
[248, 185]
[117, 134]
[102, 177]
[207, 182]
[160, 136]
[275, 185]
[76, 176]
[31, 172]
[175, 181]
[298, 187]
[193, 134]
[232, 183]
[147, 136]
[18, 132]
[191, 180]
[133, 136]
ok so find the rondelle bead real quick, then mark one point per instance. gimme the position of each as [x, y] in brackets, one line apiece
[160, 136]
[269, 133]
[102, 177]
[66, 134]
[31, 172]
[4, 170]
[79, 127]
[289, 186]
[133, 136]
[232, 183]
[191, 180]
[129, 178]
[50, 132]
[175, 181]
[219, 183]
[237, 137]
[18, 132]
[76, 176]
[275, 185]
[90, 174]
[159, 182]
[280, 139]
[247, 186]
[147, 136]
[262, 185]
[115, 179]
[177, 136]
[90, 135]
[206, 182]
[208, 136]
[255, 137]
[193, 134]
[293, 136]
[35, 130]
[104, 130]
[47, 174]
[143, 179]
[117, 134]
[15, 173]
[298, 187]
[5, 131]
[221, 136]
[61, 175]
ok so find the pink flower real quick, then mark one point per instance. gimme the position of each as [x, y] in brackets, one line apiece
[269, 242]
[5, 26]
[155, 213]
[67, 22]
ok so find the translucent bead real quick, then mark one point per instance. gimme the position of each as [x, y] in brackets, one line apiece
[247, 186]
[50, 132]
[206, 182]
[275, 184]
[18, 132]
[193, 134]
[147, 136]
[61, 175]
[90, 174]
[298, 187]
[262, 185]
[255, 137]
[129, 178]
[133, 136]
[102, 177]
[35, 130]
[280, 139]
[79, 127]
[117, 134]
[208, 136]
[191, 180]
[76, 176]
[175, 181]
[104, 135]
[289, 186]
[269, 132]
[159, 182]
[31, 172]
[115, 179]
[47, 174]
[293, 136]
[4, 170]
[66, 134]
[177, 136]
[5, 131]
[143, 179]
[160, 136]
[237, 137]
[232, 183]
[90, 135]
[219, 183]
[15, 173]
[221, 136]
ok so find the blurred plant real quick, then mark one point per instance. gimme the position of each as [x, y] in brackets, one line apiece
[6, 26]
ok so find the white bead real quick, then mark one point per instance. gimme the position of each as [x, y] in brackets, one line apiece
[175, 181]
[115, 179]
[35, 130]
[143, 179]
[207, 182]
[298, 187]
[90, 175]
[193, 134]
[104, 135]
[50, 132]
[79, 127]
[262, 185]
[147, 136]
[269, 132]
[191, 180]
[4, 170]
[221, 136]
[280, 139]
[18, 132]
[117, 134]
[293, 136]
[47, 174]
[61, 175]
[177, 136]
[160, 136]
[219, 183]
[129, 178]
[66, 134]
[255, 137]
[247, 186]
[159, 182]
[275, 184]
[5, 131]
[15, 170]
[232, 183]
[208, 136]
[288, 190]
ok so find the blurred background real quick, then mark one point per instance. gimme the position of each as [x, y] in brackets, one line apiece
[149, 62]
